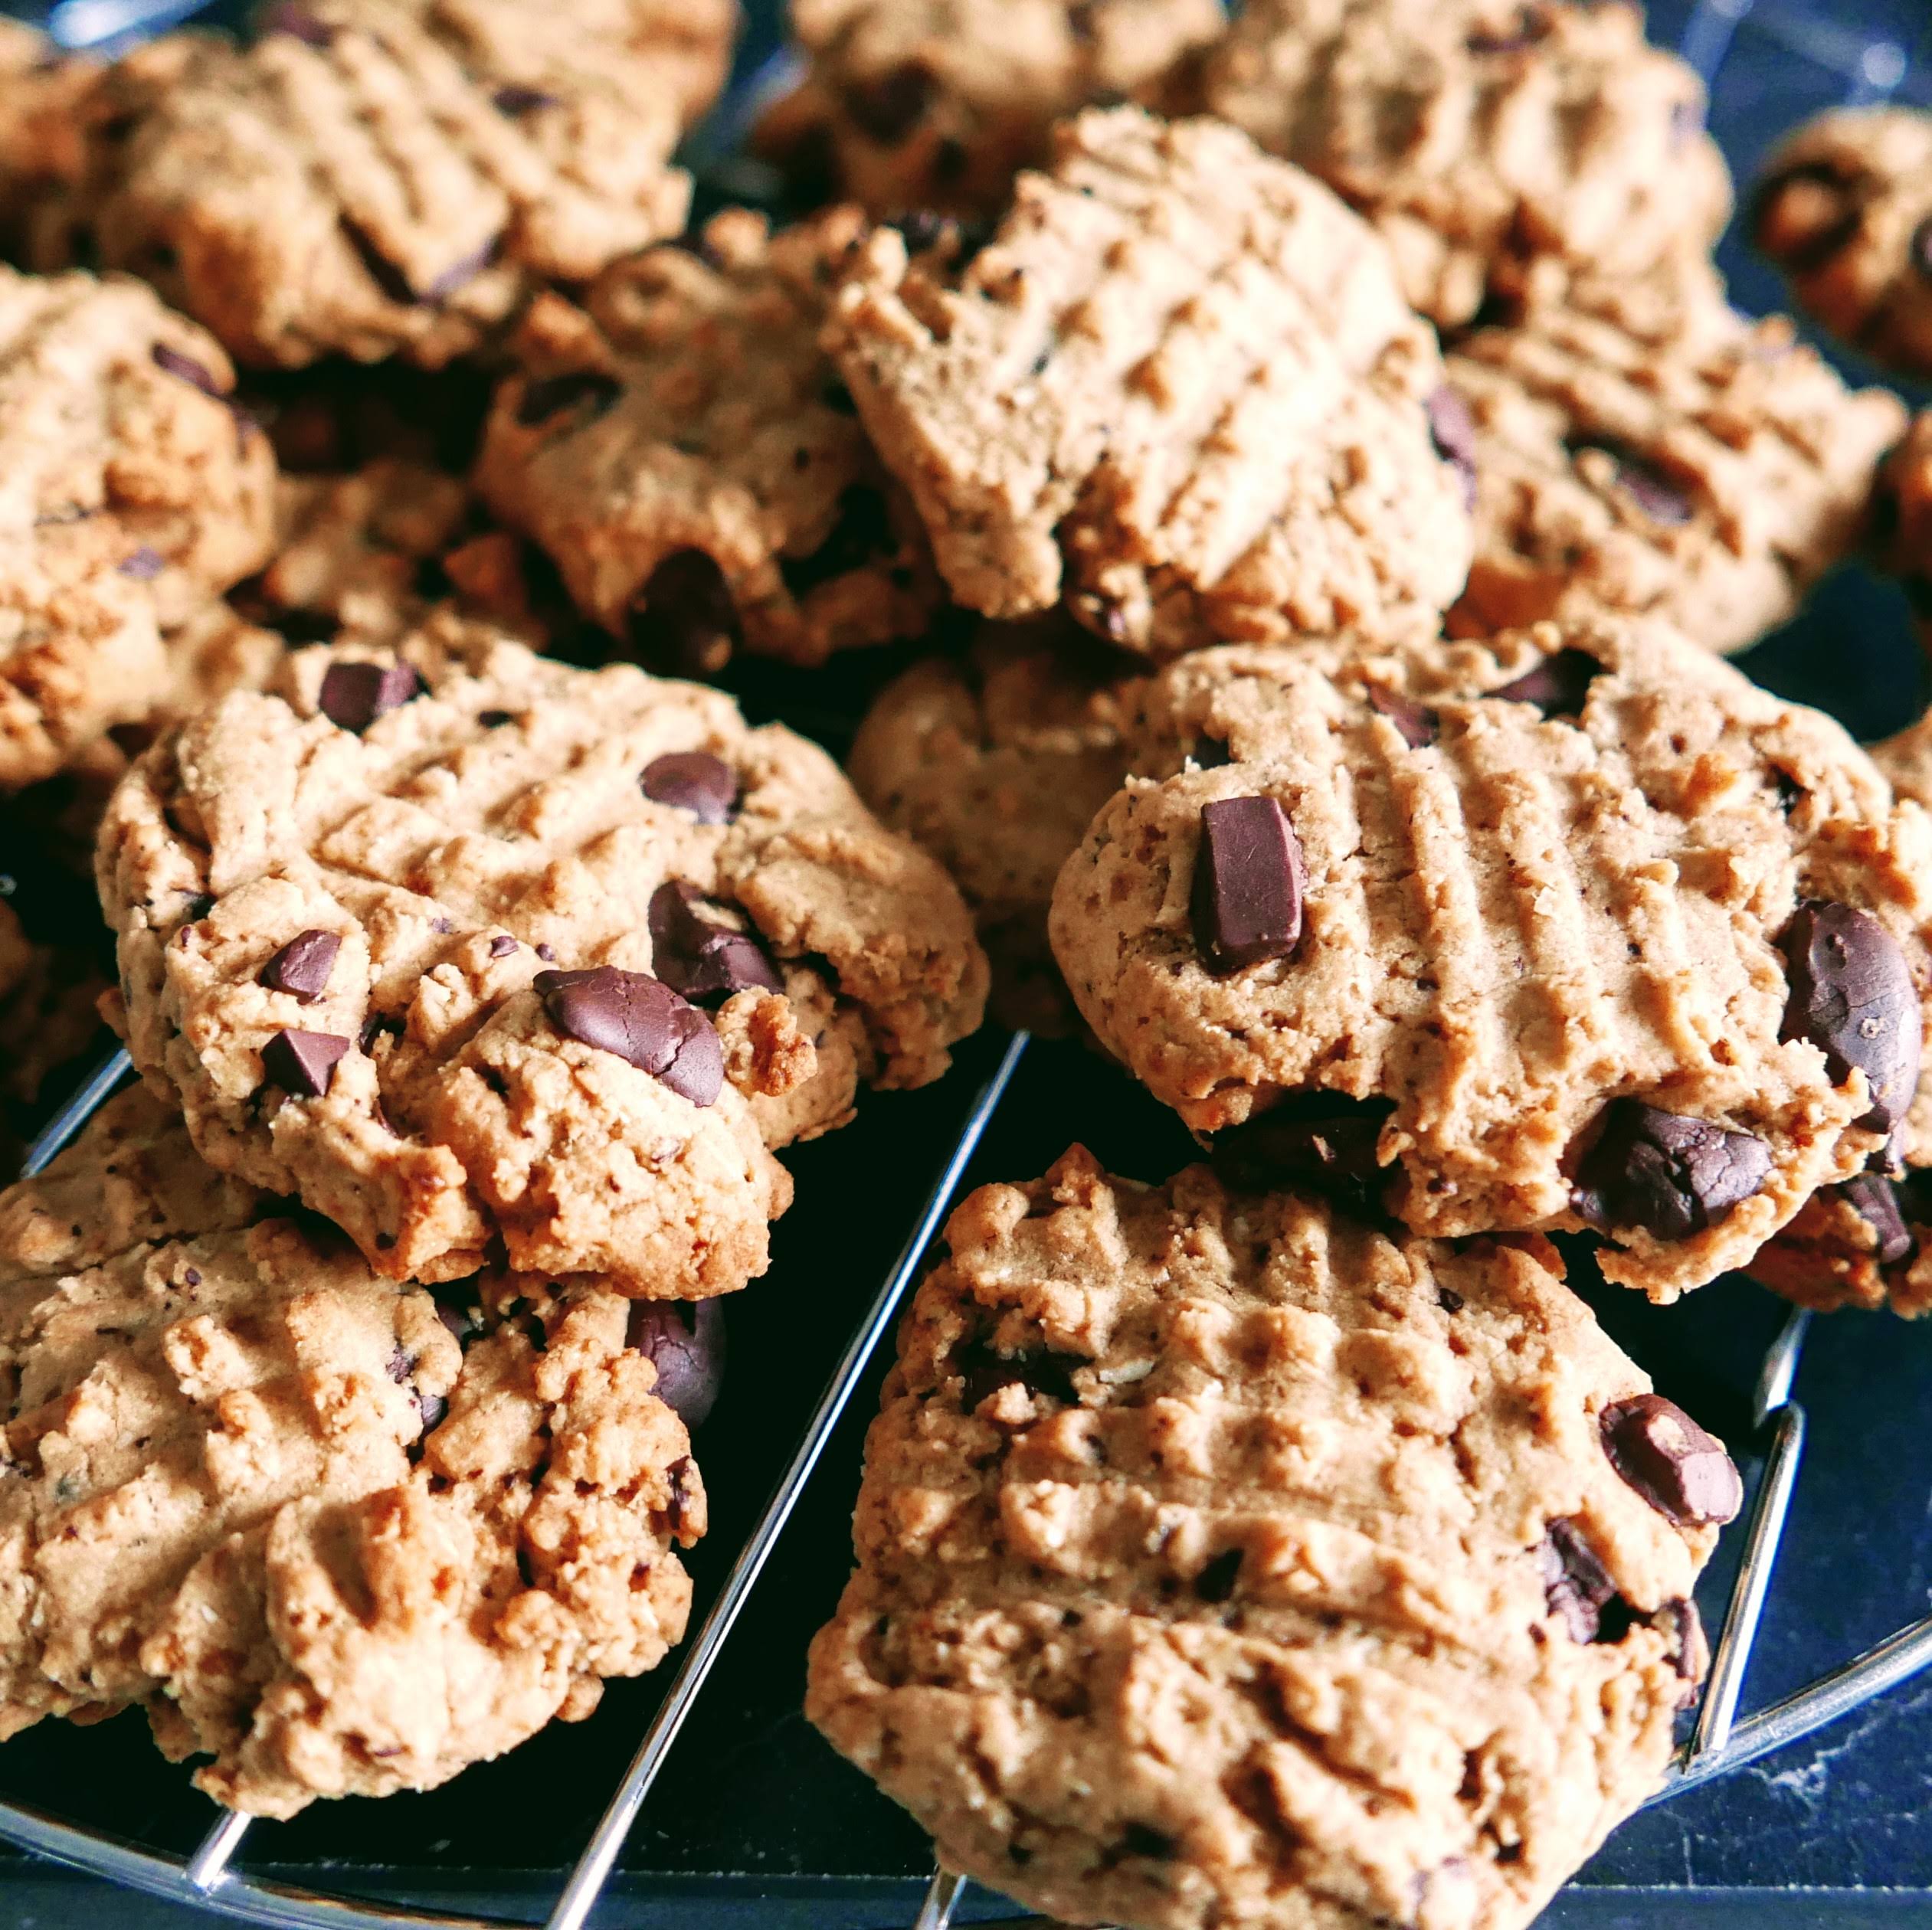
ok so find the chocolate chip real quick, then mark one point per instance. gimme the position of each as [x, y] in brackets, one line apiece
[303, 1062]
[303, 966]
[354, 694]
[680, 1473]
[1211, 754]
[175, 363]
[432, 1408]
[1452, 430]
[502, 945]
[1681, 1471]
[1448, 1300]
[458, 1319]
[445, 926]
[642, 1021]
[1324, 1140]
[1852, 996]
[515, 99]
[548, 953]
[192, 1276]
[587, 390]
[888, 108]
[1418, 726]
[1216, 1582]
[863, 530]
[1576, 1585]
[144, 565]
[1558, 686]
[1040, 1371]
[285, 17]
[1664, 1174]
[400, 1366]
[684, 618]
[1248, 884]
[693, 781]
[1875, 1201]
[1921, 249]
[686, 1345]
[1677, 1621]
[697, 959]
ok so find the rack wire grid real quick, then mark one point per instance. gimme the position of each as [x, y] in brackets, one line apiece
[1829, 59]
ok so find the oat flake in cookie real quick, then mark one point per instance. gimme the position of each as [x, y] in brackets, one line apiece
[1178, 390]
[598, 946]
[1222, 1561]
[1577, 928]
[341, 1537]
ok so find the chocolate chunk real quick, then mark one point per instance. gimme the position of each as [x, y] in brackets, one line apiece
[1921, 249]
[588, 391]
[1677, 1619]
[354, 694]
[456, 1317]
[1875, 1201]
[693, 781]
[303, 966]
[1216, 1582]
[144, 565]
[515, 99]
[1325, 1141]
[697, 958]
[644, 1022]
[1248, 884]
[888, 108]
[1452, 430]
[1558, 686]
[863, 530]
[1681, 1471]
[686, 1344]
[432, 1408]
[1576, 1585]
[189, 370]
[684, 618]
[502, 945]
[1418, 726]
[400, 1366]
[1663, 1174]
[303, 1062]
[1852, 996]
[1040, 1371]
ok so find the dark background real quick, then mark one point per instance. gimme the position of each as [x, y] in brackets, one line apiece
[756, 1822]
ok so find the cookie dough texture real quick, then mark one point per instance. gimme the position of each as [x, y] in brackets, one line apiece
[371, 178]
[937, 105]
[1644, 449]
[493, 827]
[1204, 1567]
[685, 454]
[274, 1500]
[995, 762]
[1845, 210]
[1178, 391]
[1513, 914]
[1497, 146]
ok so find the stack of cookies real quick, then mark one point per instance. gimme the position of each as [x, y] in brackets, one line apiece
[1287, 488]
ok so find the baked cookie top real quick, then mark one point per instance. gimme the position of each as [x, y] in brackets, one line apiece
[1578, 928]
[1178, 390]
[376, 177]
[344, 1538]
[1493, 143]
[1222, 1560]
[455, 941]
[686, 455]
[1647, 450]
[1845, 209]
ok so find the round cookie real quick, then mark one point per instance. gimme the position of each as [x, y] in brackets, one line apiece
[1178, 391]
[341, 1537]
[1541, 934]
[458, 942]
[1222, 1560]
[995, 762]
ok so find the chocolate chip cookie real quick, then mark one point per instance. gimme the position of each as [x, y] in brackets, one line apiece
[932, 105]
[1496, 144]
[457, 942]
[1575, 929]
[1178, 391]
[1866, 1244]
[342, 1536]
[1902, 529]
[1222, 1560]
[1644, 449]
[1845, 210]
[373, 178]
[687, 456]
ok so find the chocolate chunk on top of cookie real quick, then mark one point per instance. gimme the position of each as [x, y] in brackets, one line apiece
[598, 946]
[1614, 940]
[1302, 1573]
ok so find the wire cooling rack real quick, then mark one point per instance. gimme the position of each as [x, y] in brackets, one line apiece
[1830, 58]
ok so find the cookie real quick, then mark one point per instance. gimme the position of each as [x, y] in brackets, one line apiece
[1845, 210]
[1496, 145]
[1223, 1561]
[1646, 450]
[995, 762]
[389, 933]
[373, 178]
[935, 106]
[1866, 1244]
[42, 89]
[1178, 391]
[687, 456]
[1555, 932]
[1906, 759]
[341, 1536]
